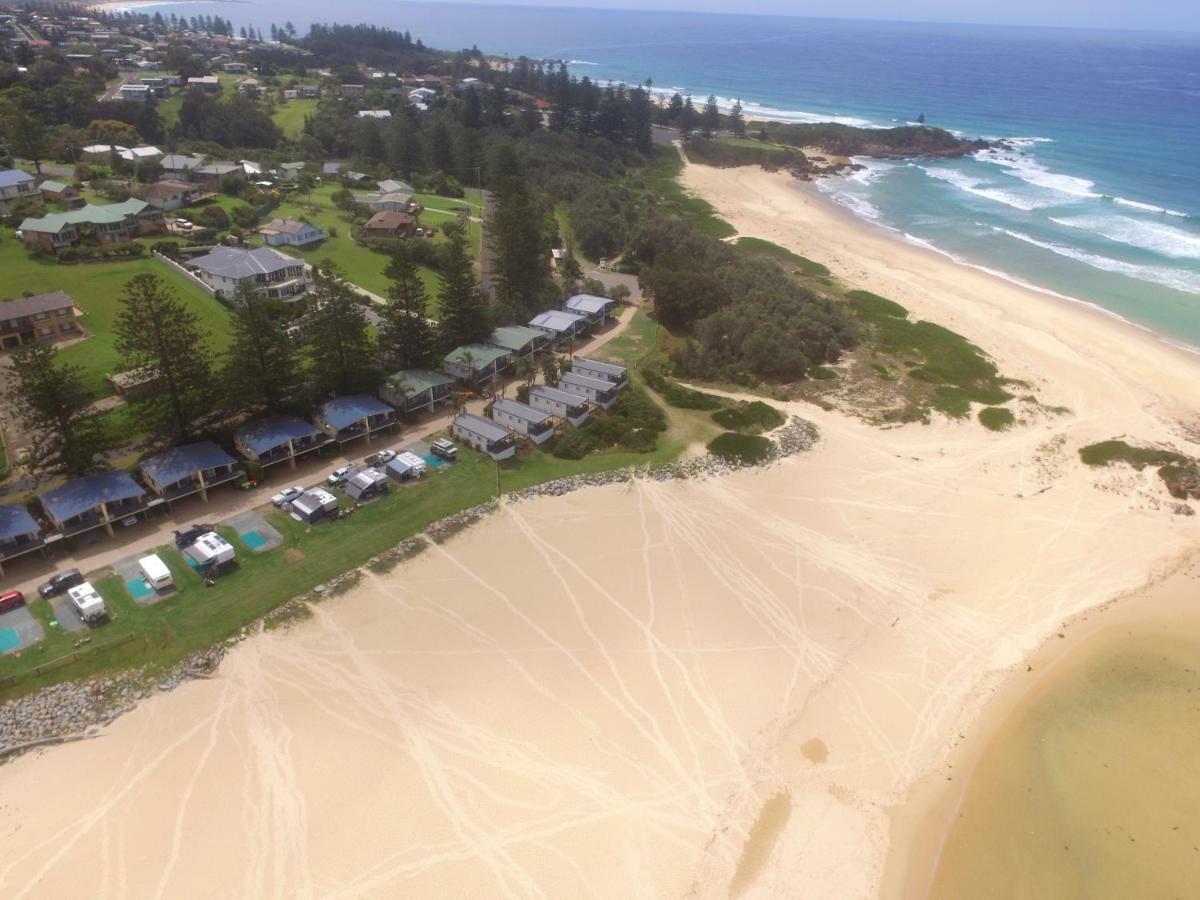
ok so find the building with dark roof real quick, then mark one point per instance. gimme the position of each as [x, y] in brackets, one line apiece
[19, 532]
[263, 270]
[269, 441]
[15, 185]
[391, 224]
[190, 469]
[486, 437]
[43, 317]
[93, 501]
[413, 390]
[169, 195]
[347, 418]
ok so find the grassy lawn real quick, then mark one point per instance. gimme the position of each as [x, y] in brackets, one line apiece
[290, 116]
[96, 289]
[753, 246]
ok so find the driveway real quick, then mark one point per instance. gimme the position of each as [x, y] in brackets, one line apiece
[18, 628]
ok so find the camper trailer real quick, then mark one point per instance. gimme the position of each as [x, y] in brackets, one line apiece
[88, 603]
[406, 466]
[156, 573]
[313, 505]
[211, 552]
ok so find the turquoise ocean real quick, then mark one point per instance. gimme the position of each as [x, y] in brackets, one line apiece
[1095, 199]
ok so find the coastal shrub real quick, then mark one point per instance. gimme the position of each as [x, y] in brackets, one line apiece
[1105, 453]
[679, 396]
[745, 448]
[727, 153]
[872, 305]
[633, 424]
[754, 417]
[213, 217]
[996, 418]
[848, 140]
[822, 373]
[753, 246]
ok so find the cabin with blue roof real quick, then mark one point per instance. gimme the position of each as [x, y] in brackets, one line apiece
[190, 469]
[269, 441]
[19, 532]
[94, 501]
[348, 418]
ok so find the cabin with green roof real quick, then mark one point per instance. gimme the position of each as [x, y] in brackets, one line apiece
[114, 223]
[520, 340]
[412, 390]
[476, 363]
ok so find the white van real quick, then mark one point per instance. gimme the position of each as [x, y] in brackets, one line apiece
[158, 576]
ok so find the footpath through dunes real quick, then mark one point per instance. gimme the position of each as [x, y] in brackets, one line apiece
[655, 689]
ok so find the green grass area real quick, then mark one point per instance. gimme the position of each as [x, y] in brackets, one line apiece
[1106, 453]
[472, 202]
[753, 246]
[662, 177]
[735, 447]
[96, 289]
[290, 116]
[955, 371]
[996, 418]
[679, 396]
[726, 151]
[754, 417]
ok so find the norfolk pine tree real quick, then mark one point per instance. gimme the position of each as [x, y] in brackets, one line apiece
[339, 342]
[407, 338]
[262, 368]
[465, 317]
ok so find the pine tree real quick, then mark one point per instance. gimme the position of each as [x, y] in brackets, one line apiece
[711, 119]
[261, 366]
[520, 250]
[441, 148]
[687, 119]
[407, 337]
[155, 331]
[53, 410]
[338, 338]
[465, 317]
[737, 122]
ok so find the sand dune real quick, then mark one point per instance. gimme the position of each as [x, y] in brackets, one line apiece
[606, 694]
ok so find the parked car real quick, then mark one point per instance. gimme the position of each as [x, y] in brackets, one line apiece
[342, 474]
[11, 600]
[445, 449]
[183, 224]
[287, 495]
[382, 458]
[59, 582]
[185, 537]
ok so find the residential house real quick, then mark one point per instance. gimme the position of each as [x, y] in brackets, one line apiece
[94, 501]
[595, 309]
[413, 390]
[290, 233]
[602, 393]
[139, 93]
[392, 186]
[248, 87]
[290, 171]
[602, 371]
[265, 271]
[269, 441]
[353, 91]
[476, 363]
[19, 533]
[290, 94]
[565, 405]
[112, 224]
[390, 225]
[209, 83]
[61, 192]
[102, 152]
[309, 91]
[212, 176]
[177, 166]
[520, 340]
[534, 423]
[44, 317]
[190, 469]
[348, 418]
[374, 114]
[366, 485]
[331, 169]
[421, 97]
[562, 326]
[236, 68]
[170, 195]
[17, 185]
[395, 201]
[139, 154]
[486, 437]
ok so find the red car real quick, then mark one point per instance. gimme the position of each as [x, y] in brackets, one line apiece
[11, 600]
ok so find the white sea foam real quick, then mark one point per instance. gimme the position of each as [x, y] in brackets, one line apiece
[981, 188]
[1150, 207]
[1033, 172]
[1165, 240]
[1178, 279]
[760, 110]
[852, 201]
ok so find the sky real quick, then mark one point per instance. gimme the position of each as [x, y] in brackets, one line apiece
[1165, 15]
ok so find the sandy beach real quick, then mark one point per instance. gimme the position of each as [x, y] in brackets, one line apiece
[702, 689]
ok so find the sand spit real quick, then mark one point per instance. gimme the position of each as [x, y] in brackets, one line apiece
[605, 693]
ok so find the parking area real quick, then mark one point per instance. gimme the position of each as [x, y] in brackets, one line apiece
[254, 532]
[66, 615]
[134, 580]
[18, 629]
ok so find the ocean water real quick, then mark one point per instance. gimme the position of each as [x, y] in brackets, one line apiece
[1096, 198]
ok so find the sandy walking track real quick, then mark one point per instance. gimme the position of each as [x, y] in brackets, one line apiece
[596, 695]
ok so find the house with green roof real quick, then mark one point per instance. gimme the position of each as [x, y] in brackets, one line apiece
[476, 363]
[114, 223]
[520, 340]
[412, 390]
[61, 192]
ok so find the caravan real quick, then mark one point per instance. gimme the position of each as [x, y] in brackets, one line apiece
[156, 573]
[87, 603]
[407, 465]
[210, 552]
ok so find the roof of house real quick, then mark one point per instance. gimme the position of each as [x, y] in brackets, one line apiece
[589, 304]
[489, 431]
[553, 393]
[390, 219]
[331, 168]
[520, 410]
[598, 366]
[135, 153]
[233, 262]
[392, 186]
[289, 226]
[516, 337]
[165, 188]
[15, 522]
[183, 462]
[13, 177]
[177, 161]
[374, 113]
[113, 213]
[481, 355]
[556, 320]
[220, 168]
[84, 494]
[342, 412]
[267, 434]
[31, 306]
[204, 79]
[54, 187]
[596, 384]
[365, 479]
[417, 381]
